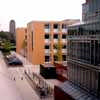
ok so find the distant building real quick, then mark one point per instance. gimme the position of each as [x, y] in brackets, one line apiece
[12, 28]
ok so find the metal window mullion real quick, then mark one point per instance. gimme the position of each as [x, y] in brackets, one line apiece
[94, 51]
[90, 52]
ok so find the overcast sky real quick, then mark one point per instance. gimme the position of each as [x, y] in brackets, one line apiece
[24, 11]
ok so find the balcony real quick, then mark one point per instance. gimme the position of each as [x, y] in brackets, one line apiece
[64, 51]
[47, 30]
[64, 41]
[64, 30]
[47, 62]
[47, 51]
[47, 41]
[55, 40]
[55, 50]
[56, 30]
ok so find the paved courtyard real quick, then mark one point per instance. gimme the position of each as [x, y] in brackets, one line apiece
[14, 84]
[8, 89]
[26, 91]
[36, 69]
[29, 68]
[17, 89]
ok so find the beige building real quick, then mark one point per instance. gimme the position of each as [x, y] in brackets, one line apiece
[46, 41]
[20, 37]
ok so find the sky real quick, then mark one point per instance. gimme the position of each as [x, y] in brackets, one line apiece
[24, 11]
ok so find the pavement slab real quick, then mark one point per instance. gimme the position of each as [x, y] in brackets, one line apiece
[8, 90]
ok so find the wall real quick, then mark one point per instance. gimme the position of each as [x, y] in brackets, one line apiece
[20, 36]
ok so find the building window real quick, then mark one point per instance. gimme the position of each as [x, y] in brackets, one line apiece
[63, 36]
[47, 36]
[63, 57]
[55, 26]
[55, 58]
[55, 36]
[64, 47]
[47, 58]
[47, 26]
[47, 46]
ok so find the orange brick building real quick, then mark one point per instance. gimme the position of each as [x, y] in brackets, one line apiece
[46, 41]
[20, 37]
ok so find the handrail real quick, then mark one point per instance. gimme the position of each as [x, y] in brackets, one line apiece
[42, 85]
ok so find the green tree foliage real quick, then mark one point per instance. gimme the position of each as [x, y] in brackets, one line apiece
[7, 42]
[3, 35]
[7, 46]
[6, 36]
[58, 46]
[24, 44]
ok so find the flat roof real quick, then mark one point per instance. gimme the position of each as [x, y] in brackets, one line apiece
[66, 21]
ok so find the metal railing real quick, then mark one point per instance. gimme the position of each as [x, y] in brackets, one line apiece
[39, 84]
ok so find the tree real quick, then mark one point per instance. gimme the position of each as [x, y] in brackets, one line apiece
[7, 46]
[24, 44]
[6, 42]
[7, 36]
[3, 35]
[58, 46]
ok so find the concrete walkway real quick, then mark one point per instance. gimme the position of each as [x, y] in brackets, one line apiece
[36, 69]
[8, 90]
[22, 84]
[18, 89]
[29, 66]
[26, 90]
